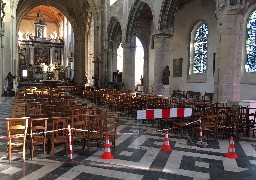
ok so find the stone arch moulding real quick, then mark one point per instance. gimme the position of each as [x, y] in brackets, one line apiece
[167, 15]
[133, 19]
[114, 27]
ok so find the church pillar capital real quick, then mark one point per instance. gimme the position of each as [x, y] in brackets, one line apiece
[128, 45]
[163, 34]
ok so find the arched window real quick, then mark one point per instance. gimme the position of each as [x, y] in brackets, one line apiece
[250, 65]
[199, 48]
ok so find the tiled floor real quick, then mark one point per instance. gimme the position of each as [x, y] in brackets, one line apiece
[138, 156]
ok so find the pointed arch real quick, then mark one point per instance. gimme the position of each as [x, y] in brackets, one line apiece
[114, 28]
[134, 16]
[167, 15]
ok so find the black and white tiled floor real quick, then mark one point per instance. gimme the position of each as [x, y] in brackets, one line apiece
[137, 156]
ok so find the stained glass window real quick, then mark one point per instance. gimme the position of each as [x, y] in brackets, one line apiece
[200, 38]
[250, 65]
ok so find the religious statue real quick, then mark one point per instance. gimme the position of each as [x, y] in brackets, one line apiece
[9, 78]
[166, 74]
[141, 80]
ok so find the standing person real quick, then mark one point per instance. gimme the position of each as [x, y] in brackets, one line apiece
[9, 78]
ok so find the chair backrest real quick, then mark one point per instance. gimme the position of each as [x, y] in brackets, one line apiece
[59, 127]
[111, 123]
[34, 111]
[95, 122]
[209, 120]
[78, 125]
[17, 127]
[19, 110]
[38, 127]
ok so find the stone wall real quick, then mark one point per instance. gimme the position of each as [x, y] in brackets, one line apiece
[185, 20]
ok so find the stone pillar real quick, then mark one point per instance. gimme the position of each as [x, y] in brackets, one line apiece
[162, 59]
[110, 62]
[79, 56]
[129, 65]
[103, 43]
[146, 72]
[114, 58]
[230, 24]
[2, 79]
[9, 41]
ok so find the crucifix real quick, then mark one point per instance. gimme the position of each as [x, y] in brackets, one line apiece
[97, 75]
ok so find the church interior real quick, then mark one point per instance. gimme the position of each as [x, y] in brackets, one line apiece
[133, 89]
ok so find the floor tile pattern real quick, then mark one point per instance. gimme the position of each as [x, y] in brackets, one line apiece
[138, 156]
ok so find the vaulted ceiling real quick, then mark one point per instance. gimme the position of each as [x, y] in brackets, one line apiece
[49, 13]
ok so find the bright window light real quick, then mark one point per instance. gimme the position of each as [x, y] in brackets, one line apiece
[112, 2]
[24, 73]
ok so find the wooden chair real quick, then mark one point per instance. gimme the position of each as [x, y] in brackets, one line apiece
[16, 134]
[78, 124]
[19, 110]
[180, 124]
[60, 132]
[38, 129]
[252, 120]
[110, 125]
[208, 126]
[222, 125]
[95, 130]
[34, 112]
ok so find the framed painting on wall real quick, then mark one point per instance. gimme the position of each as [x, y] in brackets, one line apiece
[177, 67]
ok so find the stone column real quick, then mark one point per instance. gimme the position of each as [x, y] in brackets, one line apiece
[114, 57]
[146, 72]
[227, 77]
[9, 41]
[110, 62]
[2, 78]
[103, 43]
[129, 65]
[79, 56]
[162, 59]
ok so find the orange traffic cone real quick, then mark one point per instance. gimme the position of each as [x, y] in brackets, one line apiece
[166, 146]
[231, 149]
[107, 153]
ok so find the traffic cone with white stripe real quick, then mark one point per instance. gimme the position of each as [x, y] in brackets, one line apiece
[166, 146]
[107, 152]
[231, 149]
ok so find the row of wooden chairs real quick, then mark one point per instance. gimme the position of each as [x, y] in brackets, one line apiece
[85, 128]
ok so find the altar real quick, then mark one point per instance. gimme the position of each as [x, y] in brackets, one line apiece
[41, 57]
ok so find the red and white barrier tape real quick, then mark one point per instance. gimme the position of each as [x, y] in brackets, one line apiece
[164, 113]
